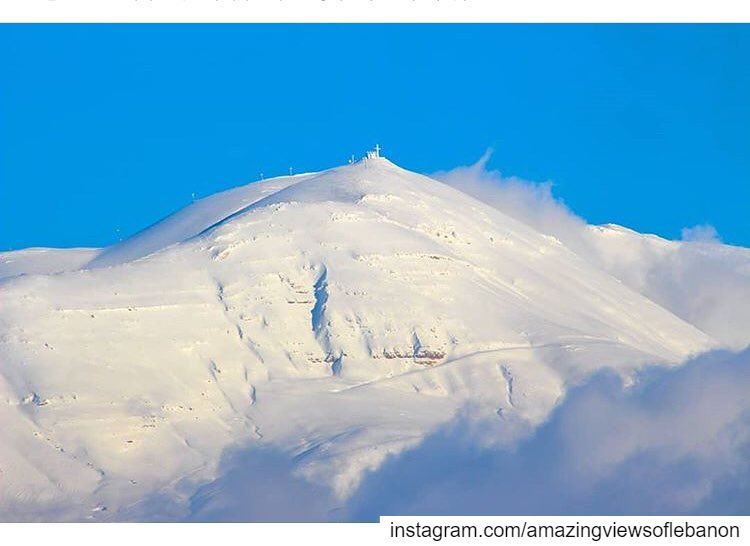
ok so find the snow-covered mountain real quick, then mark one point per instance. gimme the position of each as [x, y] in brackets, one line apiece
[335, 317]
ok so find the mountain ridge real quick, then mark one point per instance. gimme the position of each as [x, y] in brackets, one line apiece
[338, 317]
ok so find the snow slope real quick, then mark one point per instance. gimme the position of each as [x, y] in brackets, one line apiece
[336, 318]
[189, 221]
[44, 261]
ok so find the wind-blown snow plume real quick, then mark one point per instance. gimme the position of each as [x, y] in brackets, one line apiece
[698, 279]
[702, 233]
[530, 202]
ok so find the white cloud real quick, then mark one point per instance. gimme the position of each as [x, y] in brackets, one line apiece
[702, 233]
[677, 442]
[260, 484]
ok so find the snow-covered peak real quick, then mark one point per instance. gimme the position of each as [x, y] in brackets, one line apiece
[336, 317]
[339, 183]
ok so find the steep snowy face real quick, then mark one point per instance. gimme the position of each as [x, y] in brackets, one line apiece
[336, 317]
[389, 263]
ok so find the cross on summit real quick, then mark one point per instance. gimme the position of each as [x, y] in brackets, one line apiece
[374, 154]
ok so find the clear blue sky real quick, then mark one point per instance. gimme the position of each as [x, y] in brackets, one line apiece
[114, 126]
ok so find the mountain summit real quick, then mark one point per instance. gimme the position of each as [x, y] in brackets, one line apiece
[336, 317]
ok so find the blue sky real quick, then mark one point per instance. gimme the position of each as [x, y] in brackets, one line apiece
[105, 129]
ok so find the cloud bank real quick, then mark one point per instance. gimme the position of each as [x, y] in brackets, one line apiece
[676, 442]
